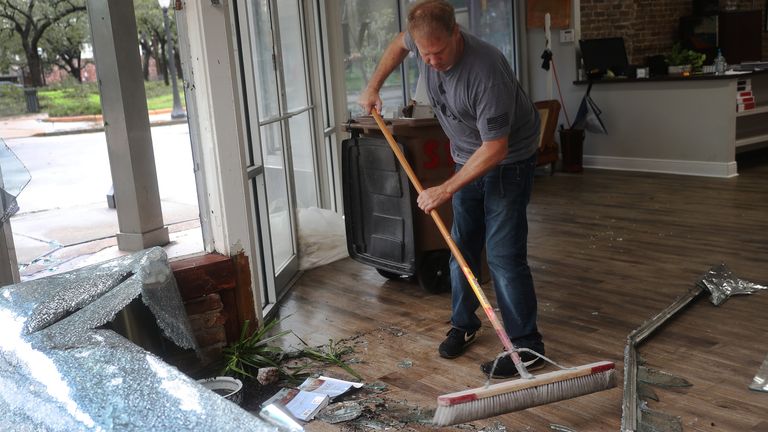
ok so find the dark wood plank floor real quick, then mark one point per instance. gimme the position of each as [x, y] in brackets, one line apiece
[608, 250]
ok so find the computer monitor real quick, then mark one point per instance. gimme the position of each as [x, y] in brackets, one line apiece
[600, 55]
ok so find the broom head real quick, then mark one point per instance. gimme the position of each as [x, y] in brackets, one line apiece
[520, 394]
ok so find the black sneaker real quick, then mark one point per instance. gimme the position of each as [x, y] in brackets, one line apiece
[505, 368]
[456, 342]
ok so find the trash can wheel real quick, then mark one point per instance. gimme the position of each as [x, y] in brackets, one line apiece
[434, 273]
[389, 275]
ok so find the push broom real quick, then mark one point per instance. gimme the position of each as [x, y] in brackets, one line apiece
[527, 391]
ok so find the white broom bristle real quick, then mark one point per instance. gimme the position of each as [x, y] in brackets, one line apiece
[525, 398]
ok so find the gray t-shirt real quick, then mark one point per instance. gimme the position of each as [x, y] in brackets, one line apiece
[479, 99]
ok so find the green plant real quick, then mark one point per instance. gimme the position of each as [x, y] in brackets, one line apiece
[253, 351]
[680, 56]
[157, 88]
[12, 100]
[70, 102]
[70, 98]
[332, 353]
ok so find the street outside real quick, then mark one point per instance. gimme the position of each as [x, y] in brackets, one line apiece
[64, 221]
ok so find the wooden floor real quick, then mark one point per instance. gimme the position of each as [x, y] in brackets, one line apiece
[608, 250]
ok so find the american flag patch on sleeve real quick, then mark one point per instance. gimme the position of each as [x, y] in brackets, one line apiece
[498, 122]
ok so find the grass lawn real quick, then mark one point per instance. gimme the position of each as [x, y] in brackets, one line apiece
[164, 101]
[72, 99]
[69, 101]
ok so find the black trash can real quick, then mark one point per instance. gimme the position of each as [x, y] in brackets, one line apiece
[572, 146]
[385, 228]
[33, 106]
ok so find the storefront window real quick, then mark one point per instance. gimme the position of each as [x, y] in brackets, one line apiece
[368, 27]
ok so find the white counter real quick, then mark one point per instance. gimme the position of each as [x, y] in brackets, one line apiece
[676, 125]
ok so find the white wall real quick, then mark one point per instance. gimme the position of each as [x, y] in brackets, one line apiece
[645, 130]
[564, 58]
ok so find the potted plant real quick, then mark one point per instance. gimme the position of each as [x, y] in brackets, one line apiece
[683, 61]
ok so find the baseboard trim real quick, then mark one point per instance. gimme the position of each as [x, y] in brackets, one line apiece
[667, 166]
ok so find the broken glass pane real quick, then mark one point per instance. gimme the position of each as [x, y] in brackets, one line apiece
[760, 381]
[722, 284]
[14, 177]
[59, 372]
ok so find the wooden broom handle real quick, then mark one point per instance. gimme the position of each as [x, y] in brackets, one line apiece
[454, 250]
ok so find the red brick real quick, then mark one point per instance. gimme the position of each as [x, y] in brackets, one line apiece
[203, 304]
[211, 337]
[206, 274]
[207, 320]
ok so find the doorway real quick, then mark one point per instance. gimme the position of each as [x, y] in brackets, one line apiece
[282, 169]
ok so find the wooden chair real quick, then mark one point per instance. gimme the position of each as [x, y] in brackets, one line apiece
[549, 111]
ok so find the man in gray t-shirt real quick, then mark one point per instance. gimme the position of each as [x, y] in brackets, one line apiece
[493, 128]
[479, 99]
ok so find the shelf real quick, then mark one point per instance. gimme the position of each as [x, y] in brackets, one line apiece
[752, 140]
[757, 110]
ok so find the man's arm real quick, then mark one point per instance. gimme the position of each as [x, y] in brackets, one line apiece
[393, 56]
[490, 154]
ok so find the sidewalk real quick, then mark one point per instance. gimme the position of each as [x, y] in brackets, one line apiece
[64, 222]
[31, 125]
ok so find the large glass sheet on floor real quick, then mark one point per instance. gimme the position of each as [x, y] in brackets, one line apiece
[61, 370]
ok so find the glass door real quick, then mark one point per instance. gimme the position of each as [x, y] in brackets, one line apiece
[283, 168]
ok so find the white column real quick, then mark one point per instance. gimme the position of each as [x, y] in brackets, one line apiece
[129, 142]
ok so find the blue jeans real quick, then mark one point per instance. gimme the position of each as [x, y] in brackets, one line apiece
[491, 212]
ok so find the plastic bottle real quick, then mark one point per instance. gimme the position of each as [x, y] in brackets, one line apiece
[720, 64]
